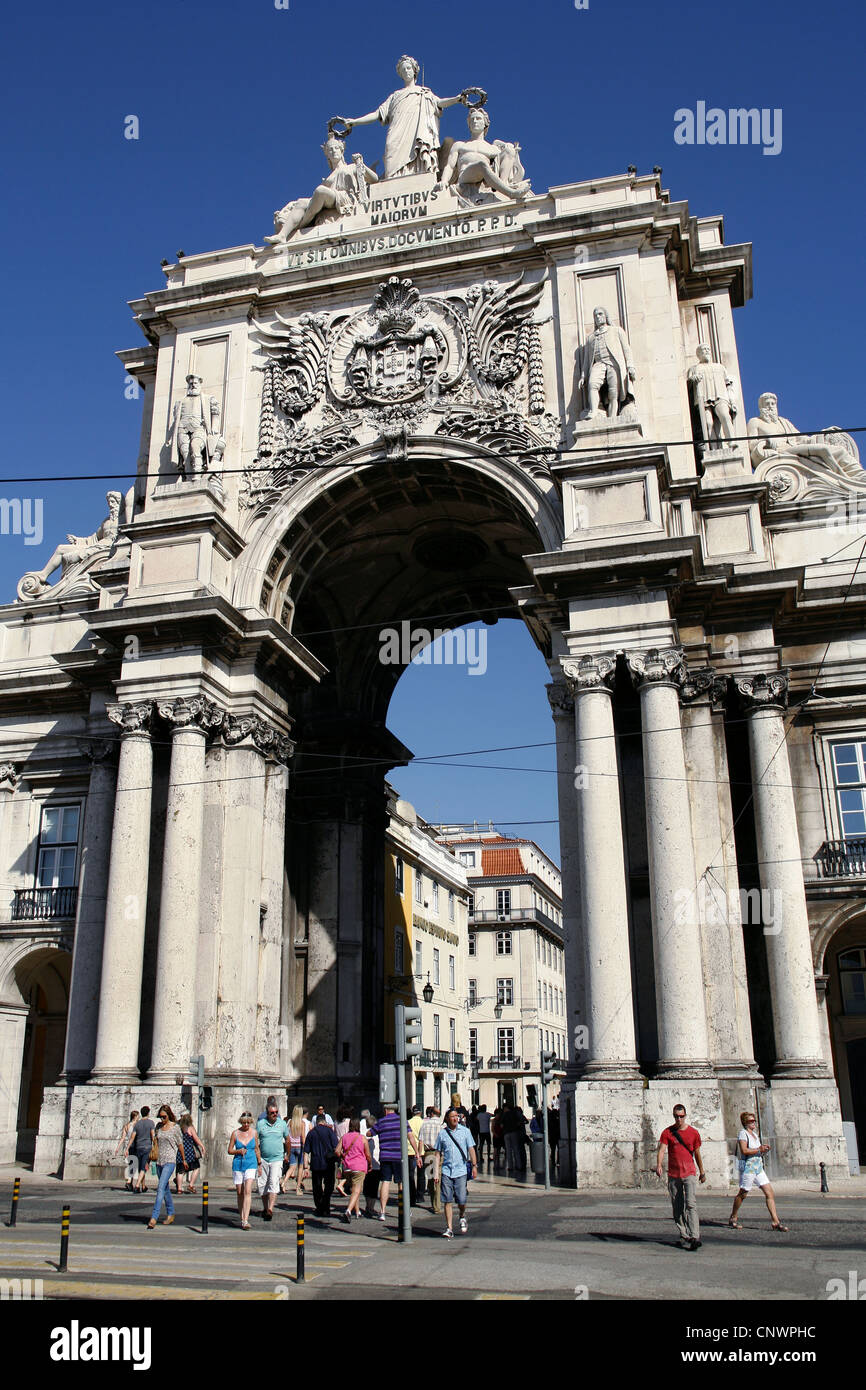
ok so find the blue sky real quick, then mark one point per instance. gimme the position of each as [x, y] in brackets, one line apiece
[233, 98]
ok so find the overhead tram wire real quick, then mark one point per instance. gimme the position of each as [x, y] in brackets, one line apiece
[595, 450]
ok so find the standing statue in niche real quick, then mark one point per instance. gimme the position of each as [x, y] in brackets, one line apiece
[194, 438]
[341, 194]
[832, 447]
[412, 117]
[606, 365]
[477, 164]
[715, 408]
[77, 549]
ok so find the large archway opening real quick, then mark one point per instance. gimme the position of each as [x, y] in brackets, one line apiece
[365, 575]
[33, 1037]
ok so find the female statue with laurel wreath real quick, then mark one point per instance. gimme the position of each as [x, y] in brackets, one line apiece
[412, 117]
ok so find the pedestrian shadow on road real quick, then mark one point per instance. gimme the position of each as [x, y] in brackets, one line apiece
[629, 1237]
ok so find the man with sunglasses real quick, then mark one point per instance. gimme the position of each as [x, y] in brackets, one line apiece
[684, 1152]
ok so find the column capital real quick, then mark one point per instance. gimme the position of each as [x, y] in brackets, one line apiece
[657, 666]
[561, 700]
[763, 690]
[698, 684]
[9, 777]
[132, 718]
[589, 673]
[266, 737]
[188, 712]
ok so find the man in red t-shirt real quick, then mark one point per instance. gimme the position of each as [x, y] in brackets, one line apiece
[684, 1151]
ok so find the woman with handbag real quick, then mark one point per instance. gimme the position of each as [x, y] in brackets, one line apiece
[167, 1140]
[354, 1151]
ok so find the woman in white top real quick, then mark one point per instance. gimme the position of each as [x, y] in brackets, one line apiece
[751, 1164]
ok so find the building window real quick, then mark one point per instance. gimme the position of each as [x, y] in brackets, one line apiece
[473, 993]
[849, 762]
[503, 902]
[435, 1032]
[452, 1036]
[471, 904]
[450, 906]
[473, 1046]
[505, 991]
[539, 994]
[419, 888]
[505, 1044]
[472, 948]
[852, 979]
[503, 943]
[452, 983]
[57, 857]
[398, 875]
[419, 958]
[435, 965]
[544, 995]
[435, 896]
[467, 858]
[398, 953]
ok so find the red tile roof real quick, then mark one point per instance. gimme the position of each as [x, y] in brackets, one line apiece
[495, 862]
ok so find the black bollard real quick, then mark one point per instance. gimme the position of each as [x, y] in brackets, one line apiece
[16, 1193]
[64, 1240]
[299, 1279]
[824, 1187]
[400, 1233]
[204, 1208]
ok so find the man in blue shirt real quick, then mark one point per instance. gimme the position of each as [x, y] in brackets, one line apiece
[457, 1147]
[273, 1133]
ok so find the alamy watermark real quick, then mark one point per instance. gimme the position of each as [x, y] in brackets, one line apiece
[749, 906]
[854, 1289]
[419, 646]
[737, 126]
[22, 516]
[21, 1290]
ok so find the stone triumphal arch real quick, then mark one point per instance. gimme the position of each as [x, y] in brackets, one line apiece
[438, 397]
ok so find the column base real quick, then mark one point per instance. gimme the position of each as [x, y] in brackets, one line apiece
[802, 1123]
[609, 1071]
[735, 1069]
[111, 1076]
[802, 1069]
[684, 1069]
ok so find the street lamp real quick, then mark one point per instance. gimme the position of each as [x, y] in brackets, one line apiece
[427, 991]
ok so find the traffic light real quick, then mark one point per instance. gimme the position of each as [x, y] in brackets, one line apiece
[196, 1067]
[532, 1096]
[387, 1083]
[206, 1101]
[408, 1032]
[547, 1061]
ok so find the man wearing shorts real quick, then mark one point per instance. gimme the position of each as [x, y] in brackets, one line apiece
[273, 1135]
[684, 1151]
[457, 1147]
[390, 1153]
[750, 1155]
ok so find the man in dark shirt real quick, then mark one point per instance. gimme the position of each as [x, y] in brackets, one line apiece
[684, 1151]
[320, 1145]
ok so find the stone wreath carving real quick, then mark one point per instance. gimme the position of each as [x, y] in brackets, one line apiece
[332, 383]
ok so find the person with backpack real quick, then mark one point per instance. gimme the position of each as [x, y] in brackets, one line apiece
[684, 1152]
[457, 1147]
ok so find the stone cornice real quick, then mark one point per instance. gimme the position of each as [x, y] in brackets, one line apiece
[589, 673]
[763, 690]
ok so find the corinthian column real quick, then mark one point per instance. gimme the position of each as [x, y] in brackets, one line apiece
[680, 1006]
[174, 1003]
[601, 870]
[123, 947]
[786, 931]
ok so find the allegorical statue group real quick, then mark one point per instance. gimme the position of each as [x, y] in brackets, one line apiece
[476, 167]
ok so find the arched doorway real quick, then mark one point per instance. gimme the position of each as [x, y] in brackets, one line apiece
[357, 563]
[34, 1000]
[845, 972]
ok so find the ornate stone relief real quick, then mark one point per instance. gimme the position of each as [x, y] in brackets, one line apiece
[196, 711]
[132, 718]
[561, 700]
[9, 777]
[78, 556]
[817, 467]
[763, 689]
[466, 365]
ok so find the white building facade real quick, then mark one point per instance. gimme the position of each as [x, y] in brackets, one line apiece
[464, 400]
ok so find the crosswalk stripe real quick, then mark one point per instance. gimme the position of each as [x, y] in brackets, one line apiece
[80, 1289]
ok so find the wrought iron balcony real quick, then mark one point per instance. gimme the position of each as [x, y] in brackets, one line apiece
[44, 904]
[842, 858]
[443, 1061]
[504, 1064]
[514, 914]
